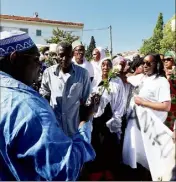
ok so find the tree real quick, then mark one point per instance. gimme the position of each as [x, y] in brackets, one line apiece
[90, 48]
[153, 44]
[168, 42]
[158, 34]
[147, 47]
[107, 52]
[61, 35]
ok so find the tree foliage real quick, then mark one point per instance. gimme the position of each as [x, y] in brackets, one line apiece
[147, 46]
[90, 48]
[153, 44]
[168, 42]
[61, 35]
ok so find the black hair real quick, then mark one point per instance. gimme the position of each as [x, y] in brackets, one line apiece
[65, 45]
[136, 56]
[114, 57]
[119, 54]
[137, 61]
[44, 50]
[159, 68]
[109, 60]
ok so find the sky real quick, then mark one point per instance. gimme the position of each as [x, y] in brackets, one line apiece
[131, 20]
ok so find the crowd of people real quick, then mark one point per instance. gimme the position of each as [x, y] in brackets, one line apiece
[66, 118]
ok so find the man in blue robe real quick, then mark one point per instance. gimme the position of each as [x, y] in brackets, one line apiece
[32, 144]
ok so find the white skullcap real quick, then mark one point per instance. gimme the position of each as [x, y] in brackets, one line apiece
[52, 48]
[76, 44]
[14, 40]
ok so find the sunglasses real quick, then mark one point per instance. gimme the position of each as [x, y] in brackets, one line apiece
[168, 59]
[147, 63]
[46, 54]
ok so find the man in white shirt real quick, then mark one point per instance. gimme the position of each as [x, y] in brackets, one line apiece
[79, 57]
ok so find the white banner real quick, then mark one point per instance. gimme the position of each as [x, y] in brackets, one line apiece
[158, 145]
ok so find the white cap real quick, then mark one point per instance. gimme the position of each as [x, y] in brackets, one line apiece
[52, 48]
[14, 40]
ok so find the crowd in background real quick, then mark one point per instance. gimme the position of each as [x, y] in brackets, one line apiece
[87, 127]
[148, 81]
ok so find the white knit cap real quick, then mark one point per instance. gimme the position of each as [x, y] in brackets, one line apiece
[14, 40]
[52, 48]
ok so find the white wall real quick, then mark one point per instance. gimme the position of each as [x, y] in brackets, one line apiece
[32, 27]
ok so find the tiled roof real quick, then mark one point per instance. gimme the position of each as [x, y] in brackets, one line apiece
[36, 19]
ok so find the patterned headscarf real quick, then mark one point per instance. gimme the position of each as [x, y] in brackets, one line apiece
[118, 60]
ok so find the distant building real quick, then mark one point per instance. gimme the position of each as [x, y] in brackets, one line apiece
[38, 29]
[129, 54]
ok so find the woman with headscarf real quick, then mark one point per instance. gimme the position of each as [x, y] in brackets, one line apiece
[98, 54]
[152, 99]
[106, 128]
[170, 70]
[121, 63]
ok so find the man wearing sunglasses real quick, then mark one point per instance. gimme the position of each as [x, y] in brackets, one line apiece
[33, 147]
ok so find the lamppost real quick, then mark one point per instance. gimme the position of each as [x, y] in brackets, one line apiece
[110, 35]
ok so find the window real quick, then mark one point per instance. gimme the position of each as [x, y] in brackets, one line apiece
[38, 33]
[24, 30]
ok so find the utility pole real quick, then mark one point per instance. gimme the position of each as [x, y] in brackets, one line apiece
[110, 33]
[82, 35]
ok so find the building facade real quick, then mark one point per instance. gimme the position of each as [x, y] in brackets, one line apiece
[38, 29]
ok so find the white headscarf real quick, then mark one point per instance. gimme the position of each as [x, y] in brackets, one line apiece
[102, 52]
[52, 48]
[97, 71]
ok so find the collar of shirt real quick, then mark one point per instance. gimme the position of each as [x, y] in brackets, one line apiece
[57, 71]
[64, 76]
[84, 61]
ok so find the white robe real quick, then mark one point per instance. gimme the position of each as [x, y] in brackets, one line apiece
[152, 89]
[116, 100]
[97, 68]
[86, 65]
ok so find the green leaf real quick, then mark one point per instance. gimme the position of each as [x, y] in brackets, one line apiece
[61, 35]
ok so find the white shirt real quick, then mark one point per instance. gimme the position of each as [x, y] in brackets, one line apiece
[116, 99]
[97, 73]
[86, 65]
[135, 80]
[156, 90]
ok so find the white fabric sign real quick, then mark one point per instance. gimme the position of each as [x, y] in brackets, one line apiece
[158, 144]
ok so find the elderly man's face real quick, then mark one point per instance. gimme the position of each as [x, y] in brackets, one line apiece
[79, 52]
[31, 70]
[64, 57]
[96, 55]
